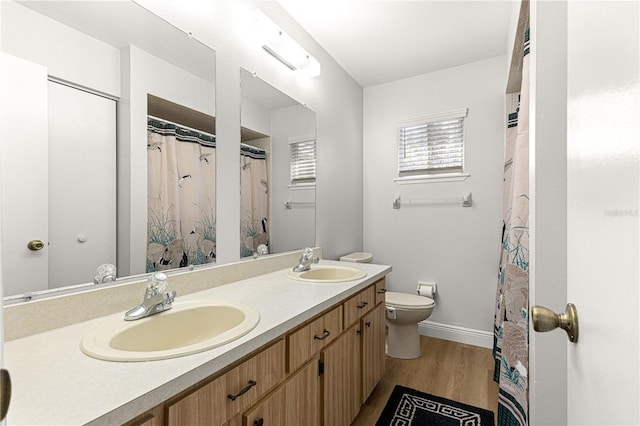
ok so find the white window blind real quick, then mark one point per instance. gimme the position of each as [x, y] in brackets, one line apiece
[303, 160]
[432, 145]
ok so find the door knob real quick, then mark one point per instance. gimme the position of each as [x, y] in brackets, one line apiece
[5, 393]
[35, 245]
[546, 320]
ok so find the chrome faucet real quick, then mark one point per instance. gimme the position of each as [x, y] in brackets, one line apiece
[306, 259]
[154, 301]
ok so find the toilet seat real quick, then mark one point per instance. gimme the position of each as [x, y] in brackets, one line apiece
[407, 301]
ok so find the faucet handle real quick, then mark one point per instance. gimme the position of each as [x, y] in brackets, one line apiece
[307, 253]
[169, 296]
[157, 282]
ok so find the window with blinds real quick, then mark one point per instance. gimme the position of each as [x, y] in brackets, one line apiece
[303, 160]
[432, 145]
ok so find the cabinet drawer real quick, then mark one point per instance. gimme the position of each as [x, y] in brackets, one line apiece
[359, 305]
[222, 399]
[381, 289]
[309, 339]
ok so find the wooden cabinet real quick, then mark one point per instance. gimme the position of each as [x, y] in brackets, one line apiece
[381, 289]
[153, 417]
[317, 374]
[220, 400]
[359, 305]
[295, 403]
[373, 350]
[311, 338]
[341, 379]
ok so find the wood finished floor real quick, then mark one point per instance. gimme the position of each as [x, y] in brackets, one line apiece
[456, 371]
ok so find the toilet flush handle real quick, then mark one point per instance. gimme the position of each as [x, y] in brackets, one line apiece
[391, 312]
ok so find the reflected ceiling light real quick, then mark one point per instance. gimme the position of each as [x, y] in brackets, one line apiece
[284, 48]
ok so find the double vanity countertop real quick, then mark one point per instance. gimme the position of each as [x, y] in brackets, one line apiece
[54, 383]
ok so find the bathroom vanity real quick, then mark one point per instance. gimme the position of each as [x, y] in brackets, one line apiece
[313, 359]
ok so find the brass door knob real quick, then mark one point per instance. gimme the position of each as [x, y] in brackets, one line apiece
[546, 320]
[35, 245]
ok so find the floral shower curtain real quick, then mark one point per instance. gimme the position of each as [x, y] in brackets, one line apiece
[181, 225]
[511, 338]
[254, 200]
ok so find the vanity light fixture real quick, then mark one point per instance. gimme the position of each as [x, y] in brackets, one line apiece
[284, 48]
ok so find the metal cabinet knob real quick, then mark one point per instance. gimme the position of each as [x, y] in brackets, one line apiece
[545, 319]
[35, 245]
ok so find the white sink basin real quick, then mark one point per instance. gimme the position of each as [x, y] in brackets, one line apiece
[327, 274]
[187, 328]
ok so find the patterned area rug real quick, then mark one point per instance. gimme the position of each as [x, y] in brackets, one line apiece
[409, 407]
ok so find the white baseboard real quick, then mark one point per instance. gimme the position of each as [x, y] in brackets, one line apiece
[456, 334]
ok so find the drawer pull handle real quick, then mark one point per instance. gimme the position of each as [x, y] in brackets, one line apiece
[259, 422]
[362, 305]
[251, 384]
[382, 291]
[368, 323]
[326, 334]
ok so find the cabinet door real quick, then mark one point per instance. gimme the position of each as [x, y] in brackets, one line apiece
[220, 400]
[295, 403]
[373, 353]
[342, 379]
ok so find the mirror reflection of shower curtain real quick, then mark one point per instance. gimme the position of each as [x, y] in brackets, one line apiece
[254, 200]
[181, 225]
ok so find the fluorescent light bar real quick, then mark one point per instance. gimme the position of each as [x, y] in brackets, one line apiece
[284, 48]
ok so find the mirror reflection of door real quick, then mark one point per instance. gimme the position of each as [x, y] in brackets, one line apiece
[82, 167]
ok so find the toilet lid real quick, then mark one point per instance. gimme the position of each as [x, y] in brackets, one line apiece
[407, 301]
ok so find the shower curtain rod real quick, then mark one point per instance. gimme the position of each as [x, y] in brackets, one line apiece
[181, 125]
[246, 145]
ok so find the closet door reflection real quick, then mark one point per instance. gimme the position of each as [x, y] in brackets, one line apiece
[81, 184]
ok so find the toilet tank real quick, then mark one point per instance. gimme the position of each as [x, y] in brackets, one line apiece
[357, 257]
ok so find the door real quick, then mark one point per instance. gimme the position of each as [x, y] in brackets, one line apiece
[82, 166]
[341, 379]
[596, 380]
[603, 148]
[23, 149]
[373, 350]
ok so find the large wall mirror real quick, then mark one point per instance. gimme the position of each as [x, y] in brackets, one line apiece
[121, 89]
[277, 170]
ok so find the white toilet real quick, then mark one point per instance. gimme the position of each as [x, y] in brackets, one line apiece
[404, 312]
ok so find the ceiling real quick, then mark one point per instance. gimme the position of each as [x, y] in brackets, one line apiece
[378, 41]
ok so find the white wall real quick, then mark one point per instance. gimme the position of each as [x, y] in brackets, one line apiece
[67, 53]
[290, 228]
[255, 117]
[454, 246]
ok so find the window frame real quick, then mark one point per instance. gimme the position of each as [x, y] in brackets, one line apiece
[425, 176]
